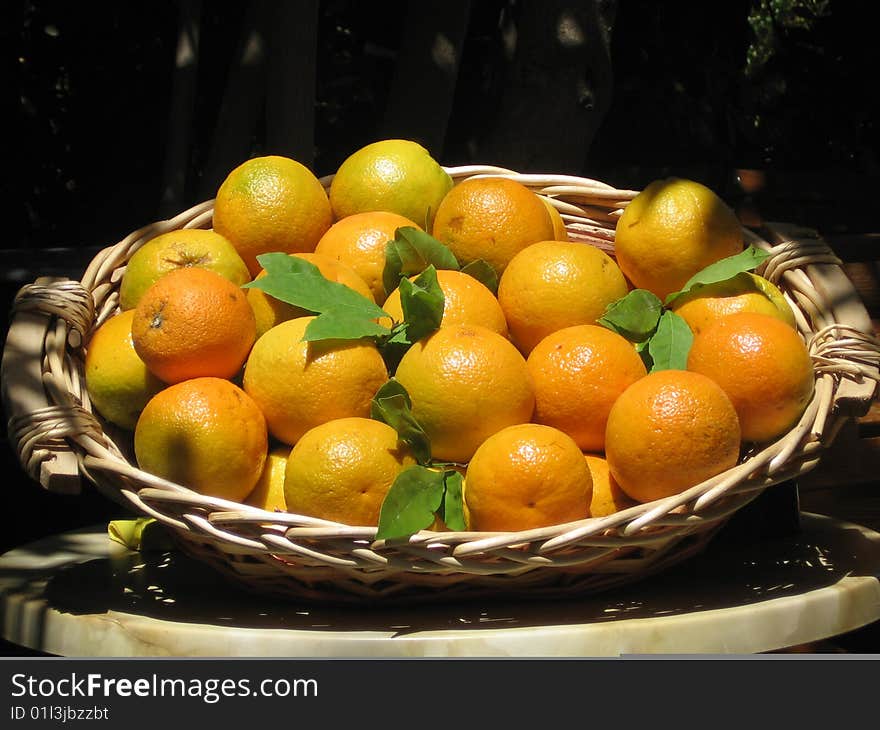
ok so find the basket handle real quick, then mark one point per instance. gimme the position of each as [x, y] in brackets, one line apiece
[849, 318]
[37, 424]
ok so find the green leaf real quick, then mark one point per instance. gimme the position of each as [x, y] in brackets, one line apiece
[483, 272]
[411, 502]
[746, 260]
[635, 315]
[670, 344]
[392, 405]
[342, 325]
[394, 347]
[422, 302]
[410, 253]
[343, 312]
[453, 501]
[398, 335]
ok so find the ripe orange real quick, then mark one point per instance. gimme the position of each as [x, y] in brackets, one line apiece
[670, 231]
[117, 381]
[192, 323]
[466, 301]
[268, 492]
[764, 367]
[550, 285]
[608, 497]
[560, 232]
[745, 292]
[269, 311]
[299, 385]
[579, 372]
[395, 175]
[342, 470]
[270, 204]
[358, 241]
[527, 476]
[466, 383]
[492, 219]
[669, 431]
[205, 434]
[177, 249]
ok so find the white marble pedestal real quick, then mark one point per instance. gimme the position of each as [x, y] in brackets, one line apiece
[79, 594]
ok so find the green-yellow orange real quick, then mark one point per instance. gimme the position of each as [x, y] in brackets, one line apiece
[670, 231]
[745, 292]
[117, 380]
[395, 175]
[182, 248]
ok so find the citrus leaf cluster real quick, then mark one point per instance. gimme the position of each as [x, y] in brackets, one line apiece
[422, 493]
[426, 492]
[413, 250]
[418, 497]
[662, 337]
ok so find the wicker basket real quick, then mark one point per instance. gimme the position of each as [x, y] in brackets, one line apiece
[59, 440]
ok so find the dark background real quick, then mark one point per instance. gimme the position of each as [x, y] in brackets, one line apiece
[702, 89]
[110, 133]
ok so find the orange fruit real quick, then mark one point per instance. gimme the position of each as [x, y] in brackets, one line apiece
[205, 434]
[669, 431]
[268, 492]
[395, 175]
[560, 232]
[299, 385]
[578, 373]
[342, 470]
[764, 367]
[492, 219]
[269, 311]
[466, 301]
[527, 476]
[270, 204]
[178, 249]
[193, 323]
[555, 284]
[466, 383]
[745, 292]
[358, 241]
[670, 231]
[608, 497]
[117, 380]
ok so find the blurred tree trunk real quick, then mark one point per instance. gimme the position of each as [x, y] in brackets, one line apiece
[422, 91]
[557, 88]
[291, 81]
[242, 104]
[181, 117]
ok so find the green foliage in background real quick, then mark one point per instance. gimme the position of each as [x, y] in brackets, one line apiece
[770, 19]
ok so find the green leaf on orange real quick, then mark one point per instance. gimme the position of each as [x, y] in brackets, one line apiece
[483, 272]
[392, 405]
[452, 509]
[410, 253]
[635, 315]
[342, 312]
[422, 302]
[669, 346]
[747, 260]
[411, 503]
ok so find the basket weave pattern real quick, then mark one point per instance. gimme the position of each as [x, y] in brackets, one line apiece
[294, 555]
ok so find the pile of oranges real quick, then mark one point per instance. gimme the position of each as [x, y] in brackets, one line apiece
[548, 414]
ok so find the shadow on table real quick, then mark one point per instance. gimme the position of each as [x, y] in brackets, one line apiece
[172, 587]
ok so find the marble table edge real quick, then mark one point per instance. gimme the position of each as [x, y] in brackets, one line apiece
[849, 604]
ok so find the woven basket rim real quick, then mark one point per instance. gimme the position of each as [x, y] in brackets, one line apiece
[842, 353]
